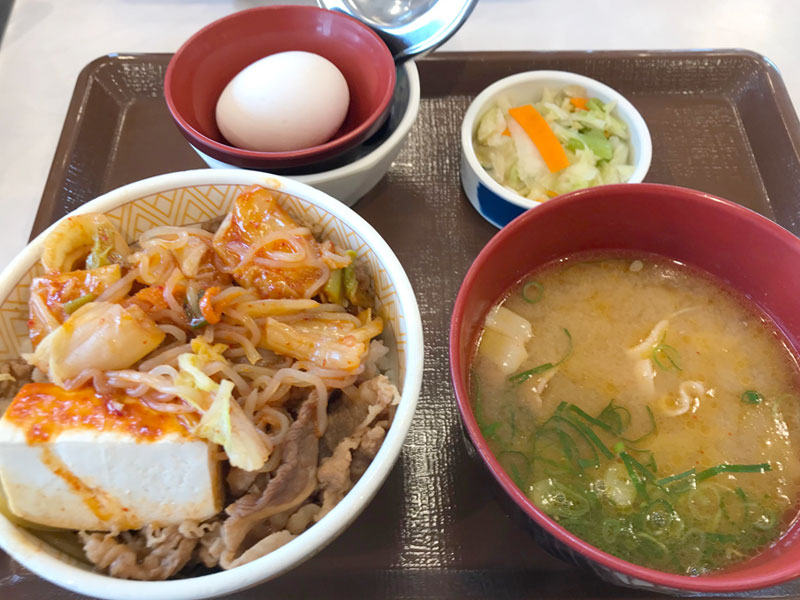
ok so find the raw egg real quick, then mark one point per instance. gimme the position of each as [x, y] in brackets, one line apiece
[283, 102]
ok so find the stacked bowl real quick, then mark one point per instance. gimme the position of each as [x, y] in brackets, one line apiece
[384, 98]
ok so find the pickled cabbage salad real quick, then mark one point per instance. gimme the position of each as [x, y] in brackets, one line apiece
[563, 142]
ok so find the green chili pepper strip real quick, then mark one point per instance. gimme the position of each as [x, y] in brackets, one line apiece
[725, 468]
[752, 397]
[537, 294]
[99, 256]
[72, 305]
[334, 287]
[525, 375]
[198, 323]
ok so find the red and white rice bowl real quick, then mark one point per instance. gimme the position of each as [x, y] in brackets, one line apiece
[198, 196]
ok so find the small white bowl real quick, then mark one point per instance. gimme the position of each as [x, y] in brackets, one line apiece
[196, 196]
[498, 204]
[349, 182]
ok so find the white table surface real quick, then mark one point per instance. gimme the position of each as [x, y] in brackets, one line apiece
[48, 42]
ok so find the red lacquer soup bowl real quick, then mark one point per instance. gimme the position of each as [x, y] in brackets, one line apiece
[206, 62]
[755, 256]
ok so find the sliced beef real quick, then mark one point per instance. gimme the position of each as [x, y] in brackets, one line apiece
[293, 482]
[336, 473]
[151, 554]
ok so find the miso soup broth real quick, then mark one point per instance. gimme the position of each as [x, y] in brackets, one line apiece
[645, 407]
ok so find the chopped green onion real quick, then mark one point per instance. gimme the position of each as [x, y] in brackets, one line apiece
[649, 460]
[670, 356]
[649, 433]
[672, 478]
[652, 543]
[725, 468]
[705, 504]
[516, 464]
[489, 430]
[764, 519]
[638, 482]
[558, 500]
[659, 516]
[591, 435]
[587, 435]
[486, 430]
[72, 305]
[537, 295]
[610, 529]
[616, 417]
[752, 397]
[619, 447]
[646, 473]
[551, 463]
[584, 415]
[525, 375]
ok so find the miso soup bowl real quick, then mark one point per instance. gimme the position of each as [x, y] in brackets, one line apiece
[199, 196]
[747, 251]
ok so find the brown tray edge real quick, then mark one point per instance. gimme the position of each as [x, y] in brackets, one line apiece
[72, 119]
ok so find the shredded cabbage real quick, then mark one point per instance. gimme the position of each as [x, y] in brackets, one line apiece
[223, 422]
[596, 142]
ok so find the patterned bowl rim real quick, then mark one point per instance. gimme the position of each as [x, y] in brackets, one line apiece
[31, 552]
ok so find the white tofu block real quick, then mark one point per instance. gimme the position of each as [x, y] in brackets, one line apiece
[85, 479]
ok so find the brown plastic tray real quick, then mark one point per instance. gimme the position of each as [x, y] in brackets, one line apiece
[721, 121]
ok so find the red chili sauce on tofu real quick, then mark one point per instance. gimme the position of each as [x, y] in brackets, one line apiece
[45, 410]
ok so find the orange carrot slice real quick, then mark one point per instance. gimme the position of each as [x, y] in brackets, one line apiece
[579, 103]
[506, 132]
[207, 309]
[542, 136]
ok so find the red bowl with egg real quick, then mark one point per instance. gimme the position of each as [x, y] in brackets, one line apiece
[211, 58]
[752, 254]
